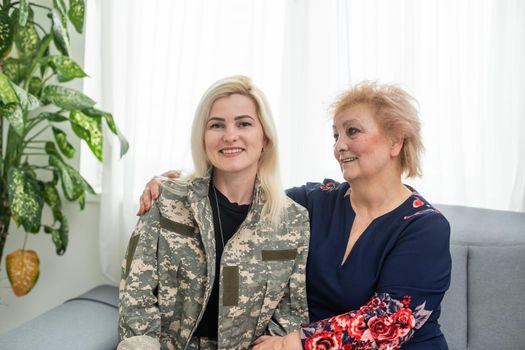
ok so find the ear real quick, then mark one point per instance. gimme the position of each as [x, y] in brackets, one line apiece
[397, 145]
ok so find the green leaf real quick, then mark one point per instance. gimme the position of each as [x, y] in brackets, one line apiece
[7, 93]
[51, 197]
[61, 139]
[27, 101]
[23, 13]
[73, 184]
[14, 114]
[76, 13]
[25, 200]
[6, 35]
[51, 149]
[60, 6]
[88, 128]
[66, 98]
[15, 70]
[52, 117]
[60, 35]
[27, 40]
[65, 68]
[35, 84]
[59, 236]
[82, 202]
[124, 145]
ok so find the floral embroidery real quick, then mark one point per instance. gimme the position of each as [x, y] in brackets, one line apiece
[425, 208]
[383, 323]
[329, 185]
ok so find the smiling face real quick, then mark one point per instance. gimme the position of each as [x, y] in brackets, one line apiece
[233, 136]
[361, 147]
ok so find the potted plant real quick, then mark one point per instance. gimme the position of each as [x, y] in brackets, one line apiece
[35, 106]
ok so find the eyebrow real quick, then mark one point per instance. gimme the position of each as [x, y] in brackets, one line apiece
[236, 118]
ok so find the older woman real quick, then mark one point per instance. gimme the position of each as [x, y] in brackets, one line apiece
[220, 258]
[379, 261]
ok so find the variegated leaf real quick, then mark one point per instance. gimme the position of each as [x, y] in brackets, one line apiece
[27, 101]
[88, 128]
[59, 236]
[52, 198]
[76, 13]
[23, 12]
[124, 145]
[65, 68]
[13, 113]
[23, 270]
[73, 184]
[27, 40]
[6, 35]
[60, 35]
[61, 139]
[7, 93]
[15, 70]
[25, 199]
[53, 117]
[66, 98]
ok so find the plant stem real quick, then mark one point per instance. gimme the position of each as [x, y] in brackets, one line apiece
[41, 6]
[39, 26]
[38, 133]
[25, 241]
[35, 154]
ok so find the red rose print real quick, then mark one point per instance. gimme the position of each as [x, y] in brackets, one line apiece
[340, 323]
[357, 327]
[324, 341]
[417, 203]
[404, 318]
[382, 328]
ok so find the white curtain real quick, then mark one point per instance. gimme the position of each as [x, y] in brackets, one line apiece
[150, 61]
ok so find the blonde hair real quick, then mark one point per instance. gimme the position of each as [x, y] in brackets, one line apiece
[268, 169]
[396, 113]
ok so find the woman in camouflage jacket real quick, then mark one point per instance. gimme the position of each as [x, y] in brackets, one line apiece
[181, 253]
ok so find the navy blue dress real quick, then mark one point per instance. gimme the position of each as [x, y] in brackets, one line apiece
[387, 294]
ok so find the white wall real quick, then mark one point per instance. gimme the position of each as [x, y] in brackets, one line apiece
[61, 277]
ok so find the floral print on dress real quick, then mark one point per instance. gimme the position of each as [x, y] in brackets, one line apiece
[383, 323]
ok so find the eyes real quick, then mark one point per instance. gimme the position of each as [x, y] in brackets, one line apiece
[349, 132]
[241, 124]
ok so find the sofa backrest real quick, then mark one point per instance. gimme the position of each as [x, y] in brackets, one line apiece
[485, 305]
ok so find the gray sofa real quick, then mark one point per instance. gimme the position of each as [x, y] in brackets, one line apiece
[484, 308]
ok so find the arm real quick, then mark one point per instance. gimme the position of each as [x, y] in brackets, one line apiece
[139, 316]
[413, 279]
[152, 190]
[293, 308]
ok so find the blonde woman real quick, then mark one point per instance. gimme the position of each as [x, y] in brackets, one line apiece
[219, 260]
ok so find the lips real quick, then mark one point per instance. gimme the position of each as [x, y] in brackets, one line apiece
[347, 159]
[231, 151]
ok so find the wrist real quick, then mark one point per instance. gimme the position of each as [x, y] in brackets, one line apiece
[293, 341]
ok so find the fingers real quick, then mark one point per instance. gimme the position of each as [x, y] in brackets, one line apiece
[173, 174]
[145, 201]
[260, 339]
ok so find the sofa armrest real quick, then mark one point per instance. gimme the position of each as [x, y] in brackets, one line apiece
[88, 322]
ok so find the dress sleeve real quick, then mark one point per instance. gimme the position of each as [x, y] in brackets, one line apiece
[298, 195]
[412, 282]
[139, 315]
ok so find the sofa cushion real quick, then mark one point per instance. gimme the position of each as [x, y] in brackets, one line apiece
[496, 297]
[453, 319]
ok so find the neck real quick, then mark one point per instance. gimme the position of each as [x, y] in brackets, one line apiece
[375, 198]
[238, 189]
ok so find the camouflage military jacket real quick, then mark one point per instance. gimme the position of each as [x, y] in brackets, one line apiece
[169, 270]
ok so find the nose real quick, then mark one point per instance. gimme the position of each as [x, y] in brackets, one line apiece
[340, 145]
[230, 135]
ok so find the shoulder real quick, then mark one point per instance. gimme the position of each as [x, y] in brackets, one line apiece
[425, 220]
[173, 203]
[313, 192]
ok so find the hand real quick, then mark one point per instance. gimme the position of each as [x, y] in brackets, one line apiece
[152, 190]
[290, 342]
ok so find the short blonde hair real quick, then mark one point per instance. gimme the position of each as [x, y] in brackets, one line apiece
[268, 170]
[396, 112]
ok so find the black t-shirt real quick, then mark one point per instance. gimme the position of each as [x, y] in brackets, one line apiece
[232, 216]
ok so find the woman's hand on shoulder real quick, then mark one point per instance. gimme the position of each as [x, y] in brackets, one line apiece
[152, 190]
[291, 341]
